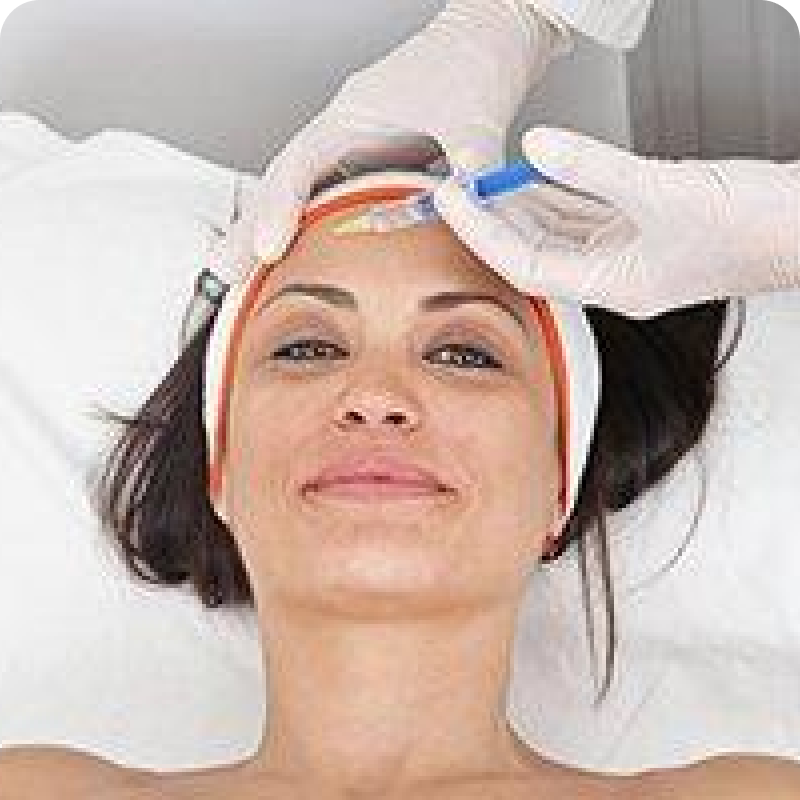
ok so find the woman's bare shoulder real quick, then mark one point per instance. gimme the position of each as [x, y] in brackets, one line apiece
[44, 772]
[727, 777]
[40, 772]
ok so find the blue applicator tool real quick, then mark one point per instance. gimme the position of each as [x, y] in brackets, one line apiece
[505, 179]
[419, 208]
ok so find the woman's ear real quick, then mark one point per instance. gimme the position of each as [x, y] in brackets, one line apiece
[554, 532]
[559, 521]
[218, 504]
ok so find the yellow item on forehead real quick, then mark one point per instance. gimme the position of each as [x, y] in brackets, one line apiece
[385, 217]
[358, 200]
[356, 222]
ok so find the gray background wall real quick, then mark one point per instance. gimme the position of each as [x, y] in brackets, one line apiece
[231, 80]
[714, 78]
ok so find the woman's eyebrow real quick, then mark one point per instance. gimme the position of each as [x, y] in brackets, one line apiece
[342, 298]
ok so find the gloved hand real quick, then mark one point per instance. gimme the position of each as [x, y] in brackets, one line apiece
[660, 234]
[460, 80]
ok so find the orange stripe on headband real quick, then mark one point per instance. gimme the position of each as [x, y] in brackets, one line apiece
[344, 202]
[559, 364]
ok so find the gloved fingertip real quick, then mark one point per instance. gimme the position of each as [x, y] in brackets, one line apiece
[554, 149]
[452, 201]
[584, 163]
[273, 235]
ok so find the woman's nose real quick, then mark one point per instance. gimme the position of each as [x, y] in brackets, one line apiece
[377, 409]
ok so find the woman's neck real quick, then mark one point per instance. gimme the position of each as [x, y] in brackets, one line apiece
[373, 706]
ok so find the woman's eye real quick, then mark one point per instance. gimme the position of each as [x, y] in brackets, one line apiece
[462, 355]
[289, 351]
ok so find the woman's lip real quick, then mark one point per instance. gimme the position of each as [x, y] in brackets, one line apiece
[365, 488]
[363, 493]
[374, 468]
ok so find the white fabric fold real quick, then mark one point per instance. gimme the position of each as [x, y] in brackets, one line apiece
[615, 23]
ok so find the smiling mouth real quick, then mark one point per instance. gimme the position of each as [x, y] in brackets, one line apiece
[380, 489]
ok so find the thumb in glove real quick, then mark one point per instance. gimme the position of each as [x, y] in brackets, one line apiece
[636, 235]
[685, 231]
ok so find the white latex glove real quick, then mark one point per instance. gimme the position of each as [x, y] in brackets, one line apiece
[460, 80]
[668, 234]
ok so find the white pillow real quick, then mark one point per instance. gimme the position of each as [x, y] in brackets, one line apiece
[100, 247]
[26, 142]
[100, 244]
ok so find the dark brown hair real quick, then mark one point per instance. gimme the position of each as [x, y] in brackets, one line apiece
[658, 389]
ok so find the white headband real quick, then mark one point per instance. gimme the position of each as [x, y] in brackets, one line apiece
[571, 342]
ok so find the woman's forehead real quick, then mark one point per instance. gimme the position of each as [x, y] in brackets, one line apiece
[430, 251]
[417, 266]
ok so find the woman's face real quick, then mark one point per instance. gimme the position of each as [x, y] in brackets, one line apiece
[465, 390]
